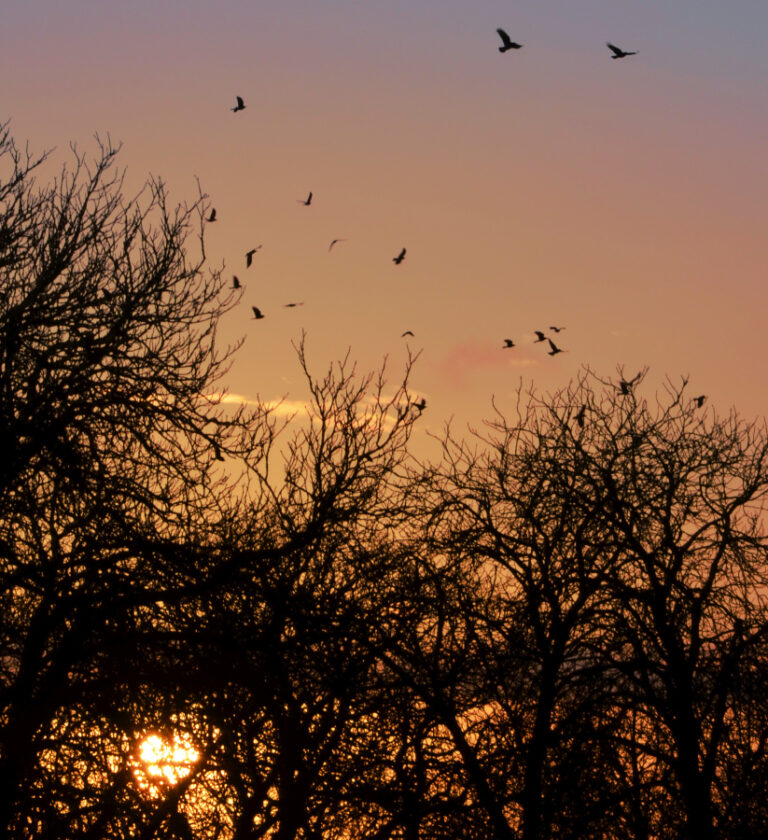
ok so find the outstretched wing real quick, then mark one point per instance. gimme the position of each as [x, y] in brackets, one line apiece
[505, 39]
[614, 49]
[240, 103]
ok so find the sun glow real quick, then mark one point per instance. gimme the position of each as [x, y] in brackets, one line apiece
[163, 762]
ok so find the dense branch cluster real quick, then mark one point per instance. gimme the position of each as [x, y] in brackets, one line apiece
[556, 630]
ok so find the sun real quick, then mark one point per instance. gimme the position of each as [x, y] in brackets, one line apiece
[164, 761]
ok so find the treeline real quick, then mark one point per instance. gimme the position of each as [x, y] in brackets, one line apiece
[555, 630]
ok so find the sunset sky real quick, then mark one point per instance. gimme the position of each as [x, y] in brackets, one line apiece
[625, 200]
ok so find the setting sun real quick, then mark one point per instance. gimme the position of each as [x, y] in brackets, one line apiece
[162, 761]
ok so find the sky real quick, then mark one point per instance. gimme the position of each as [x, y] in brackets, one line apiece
[623, 200]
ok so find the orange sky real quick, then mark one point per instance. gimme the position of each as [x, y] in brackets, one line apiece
[626, 200]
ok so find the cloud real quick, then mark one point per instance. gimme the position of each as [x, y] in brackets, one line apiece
[469, 358]
[287, 408]
[280, 408]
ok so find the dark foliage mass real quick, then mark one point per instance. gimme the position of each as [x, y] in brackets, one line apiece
[557, 630]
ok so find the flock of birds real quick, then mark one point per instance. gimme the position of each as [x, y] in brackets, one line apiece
[625, 385]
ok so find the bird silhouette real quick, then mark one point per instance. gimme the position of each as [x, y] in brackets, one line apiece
[257, 313]
[334, 242]
[618, 52]
[700, 400]
[420, 405]
[506, 42]
[305, 201]
[580, 416]
[539, 336]
[236, 284]
[212, 217]
[240, 104]
[399, 258]
[555, 349]
[557, 329]
[249, 256]
[508, 343]
[407, 332]
[625, 386]
[300, 303]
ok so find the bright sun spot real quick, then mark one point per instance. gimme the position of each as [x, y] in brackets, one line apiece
[163, 762]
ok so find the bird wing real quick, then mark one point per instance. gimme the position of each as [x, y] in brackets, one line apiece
[240, 103]
[506, 40]
[614, 49]
[553, 345]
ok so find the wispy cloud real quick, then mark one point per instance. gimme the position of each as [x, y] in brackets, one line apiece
[280, 408]
[464, 360]
[287, 408]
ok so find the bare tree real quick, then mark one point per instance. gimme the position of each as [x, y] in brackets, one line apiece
[622, 550]
[111, 432]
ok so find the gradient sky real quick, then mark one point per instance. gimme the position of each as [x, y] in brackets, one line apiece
[626, 200]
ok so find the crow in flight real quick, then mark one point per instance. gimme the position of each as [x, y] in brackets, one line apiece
[212, 217]
[300, 303]
[540, 336]
[306, 202]
[407, 332]
[557, 329]
[249, 256]
[506, 42]
[257, 312]
[508, 343]
[555, 349]
[399, 258]
[618, 52]
[236, 284]
[700, 400]
[420, 405]
[240, 105]
[334, 242]
[580, 416]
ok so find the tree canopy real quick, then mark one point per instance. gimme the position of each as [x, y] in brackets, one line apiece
[214, 624]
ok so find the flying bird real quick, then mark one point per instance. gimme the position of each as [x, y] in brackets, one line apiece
[407, 332]
[557, 329]
[580, 416]
[506, 42]
[240, 104]
[300, 303]
[236, 284]
[307, 201]
[625, 386]
[399, 258]
[508, 343]
[555, 349]
[420, 405]
[334, 242]
[700, 400]
[249, 256]
[618, 52]
[212, 217]
[540, 336]
[257, 314]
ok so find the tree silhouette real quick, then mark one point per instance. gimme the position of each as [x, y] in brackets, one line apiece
[108, 364]
[558, 629]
